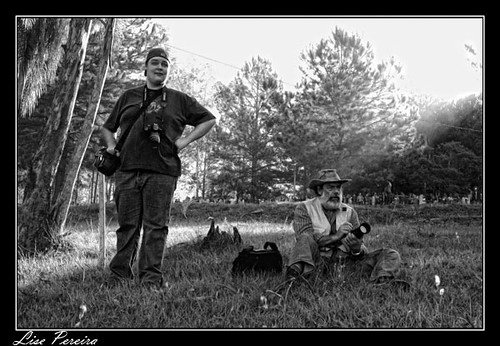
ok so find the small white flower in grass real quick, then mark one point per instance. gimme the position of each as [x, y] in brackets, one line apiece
[83, 310]
[437, 280]
[441, 291]
[263, 303]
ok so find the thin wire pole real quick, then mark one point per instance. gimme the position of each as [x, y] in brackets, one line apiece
[102, 219]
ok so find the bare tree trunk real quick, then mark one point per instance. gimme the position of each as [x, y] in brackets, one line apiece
[36, 232]
[204, 174]
[62, 204]
[197, 169]
[295, 169]
[95, 178]
[74, 199]
[110, 188]
[91, 187]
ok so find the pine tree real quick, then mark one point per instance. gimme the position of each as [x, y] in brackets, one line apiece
[247, 152]
[345, 105]
[196, 158]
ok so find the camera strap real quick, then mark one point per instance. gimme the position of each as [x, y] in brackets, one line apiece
[144, 104]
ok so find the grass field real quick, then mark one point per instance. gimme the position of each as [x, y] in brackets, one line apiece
[201, 292]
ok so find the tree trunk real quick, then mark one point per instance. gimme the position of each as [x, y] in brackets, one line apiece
[36, 231]
[75, 196]
[95, 178]
[197, 172]
[203, 191]
[110, 189]
[295, 169]
[91, 187]
[61, 206]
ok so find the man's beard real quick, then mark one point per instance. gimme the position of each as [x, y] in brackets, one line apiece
[332, 203]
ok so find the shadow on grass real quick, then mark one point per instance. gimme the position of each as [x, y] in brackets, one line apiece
[200, 291]
[51, 289]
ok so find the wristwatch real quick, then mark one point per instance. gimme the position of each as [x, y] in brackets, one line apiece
[356, 253]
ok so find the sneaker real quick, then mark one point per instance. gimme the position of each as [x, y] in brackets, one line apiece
[293, 272]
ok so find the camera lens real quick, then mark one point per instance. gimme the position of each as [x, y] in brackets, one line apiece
[363, 229]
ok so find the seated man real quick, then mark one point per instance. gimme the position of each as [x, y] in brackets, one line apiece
[323, 226]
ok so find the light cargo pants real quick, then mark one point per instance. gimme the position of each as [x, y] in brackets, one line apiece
[374, 264]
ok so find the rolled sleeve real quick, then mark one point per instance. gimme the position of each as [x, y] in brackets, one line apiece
[196, 113]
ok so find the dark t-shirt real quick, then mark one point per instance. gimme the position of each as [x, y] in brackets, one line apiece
[139, 151]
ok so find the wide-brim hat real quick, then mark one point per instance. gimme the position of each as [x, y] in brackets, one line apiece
[327, 176]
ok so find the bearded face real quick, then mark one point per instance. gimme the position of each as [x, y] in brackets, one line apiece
[330, 195]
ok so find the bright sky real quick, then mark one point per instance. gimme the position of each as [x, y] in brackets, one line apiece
[431, 50]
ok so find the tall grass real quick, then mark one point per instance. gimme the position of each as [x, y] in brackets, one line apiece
[200, 291]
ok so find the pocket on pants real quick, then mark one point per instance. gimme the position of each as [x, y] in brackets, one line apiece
[157, 198]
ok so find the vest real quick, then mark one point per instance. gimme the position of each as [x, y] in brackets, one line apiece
[320, 223]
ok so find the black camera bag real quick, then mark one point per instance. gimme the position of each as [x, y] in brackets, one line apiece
[106, 163]
[265, 260]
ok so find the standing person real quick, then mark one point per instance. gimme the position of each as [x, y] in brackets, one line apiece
[360, 199]
[323, 228]
[150, 165]
[388, 193]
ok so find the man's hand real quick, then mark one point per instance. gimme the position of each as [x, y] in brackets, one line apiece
[345, 227]
[109, 138]
[342, 232]
[198, 132]
[112, 151]
[352, 242]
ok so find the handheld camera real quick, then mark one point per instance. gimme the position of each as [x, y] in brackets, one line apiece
[363, 229]
[153, 131]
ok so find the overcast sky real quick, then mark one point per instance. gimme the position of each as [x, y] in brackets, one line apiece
[431, 50]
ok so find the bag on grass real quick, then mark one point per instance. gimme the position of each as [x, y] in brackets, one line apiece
[265, 260]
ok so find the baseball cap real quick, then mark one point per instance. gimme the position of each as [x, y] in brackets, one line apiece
[155, 52]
